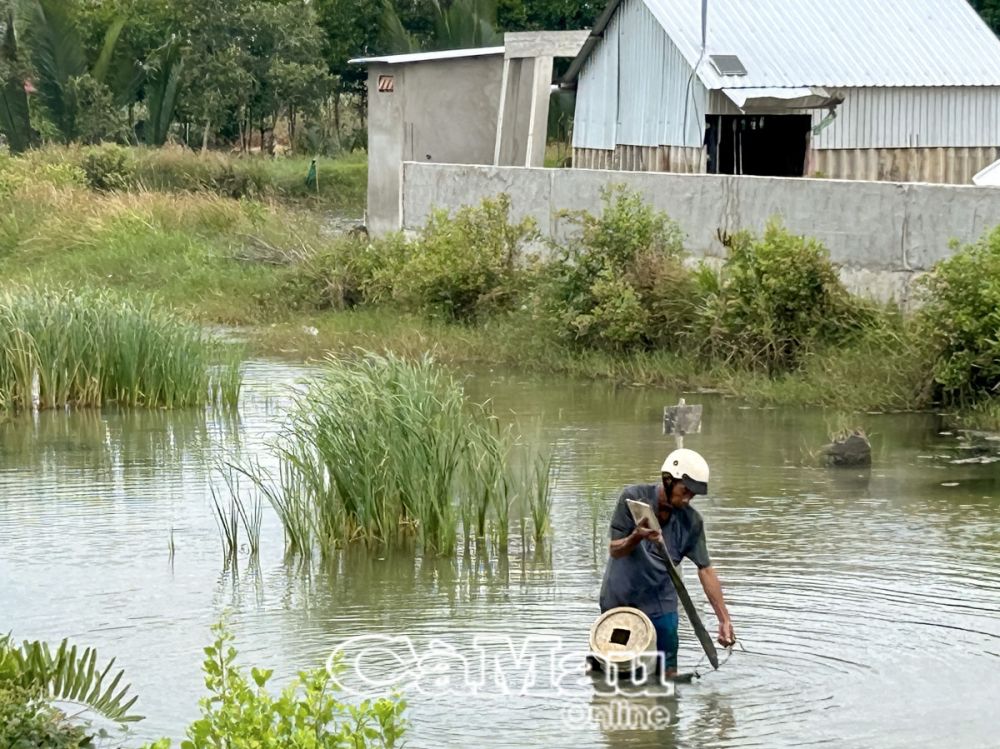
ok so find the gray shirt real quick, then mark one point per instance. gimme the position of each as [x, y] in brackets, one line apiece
[640, 580]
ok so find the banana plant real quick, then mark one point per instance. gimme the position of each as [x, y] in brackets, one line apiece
[68, 675]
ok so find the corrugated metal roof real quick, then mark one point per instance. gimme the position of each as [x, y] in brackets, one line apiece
[838, 43]
[447, 54]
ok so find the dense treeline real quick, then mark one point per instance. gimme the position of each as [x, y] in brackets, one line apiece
[224, 72]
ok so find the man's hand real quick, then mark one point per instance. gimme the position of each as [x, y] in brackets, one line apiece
[646, 533]
[726, 635]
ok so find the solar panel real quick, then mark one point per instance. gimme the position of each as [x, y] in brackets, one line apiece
[727, 65]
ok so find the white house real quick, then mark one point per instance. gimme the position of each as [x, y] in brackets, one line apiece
[856, 89]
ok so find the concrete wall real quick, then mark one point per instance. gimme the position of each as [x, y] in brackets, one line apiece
[440, 111]
[881, 234]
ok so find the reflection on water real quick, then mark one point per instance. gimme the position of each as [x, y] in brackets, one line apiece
[868, 602]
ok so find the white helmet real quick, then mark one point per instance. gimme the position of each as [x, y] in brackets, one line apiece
[689, 467]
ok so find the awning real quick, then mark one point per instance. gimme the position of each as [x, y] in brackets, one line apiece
[988, 177]
[775, 98]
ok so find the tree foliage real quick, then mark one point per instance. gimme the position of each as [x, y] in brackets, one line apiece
[66, 675]
[990, 12]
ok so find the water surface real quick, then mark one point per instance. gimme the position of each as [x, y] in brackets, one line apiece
[868, 603]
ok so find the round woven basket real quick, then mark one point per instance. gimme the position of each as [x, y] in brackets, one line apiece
[623, 639]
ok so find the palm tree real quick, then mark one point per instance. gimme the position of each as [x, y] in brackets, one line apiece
[14, 119]
[56, 52]
[68, 675]
[458, 24]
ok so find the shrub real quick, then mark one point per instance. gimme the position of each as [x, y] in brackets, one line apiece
[107, 167]
[778, 296]
[352, 271]
[33, 676]
[465, 266]
[239, 713]
[960, 320]
[27, 721]
[622, 283]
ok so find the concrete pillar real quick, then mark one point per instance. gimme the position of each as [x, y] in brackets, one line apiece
[538, 116]
[523, 116]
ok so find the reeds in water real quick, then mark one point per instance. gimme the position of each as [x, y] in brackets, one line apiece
[383, 450]
[61, 348]
[236, 510]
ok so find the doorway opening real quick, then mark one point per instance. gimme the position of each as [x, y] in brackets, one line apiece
[773, 145]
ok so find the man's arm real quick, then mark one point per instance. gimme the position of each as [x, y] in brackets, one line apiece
[622, 547]
[625, 534]
[713, 589]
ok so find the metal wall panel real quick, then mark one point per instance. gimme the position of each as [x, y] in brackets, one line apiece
[654, 81]
[677, 159]
[914, 118]
[596, 115]
[632, 89]
[939, 165]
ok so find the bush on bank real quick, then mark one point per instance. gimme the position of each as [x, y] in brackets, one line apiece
[960, 320]
[240, 713]
[778, 297]
[27, 721]
[621, 283]
[775, 311]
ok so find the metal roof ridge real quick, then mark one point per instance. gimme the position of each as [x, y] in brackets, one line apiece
[443, 54]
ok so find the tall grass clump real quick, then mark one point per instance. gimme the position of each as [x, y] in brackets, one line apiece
[383, 450]
[236, 509]
[61, 348]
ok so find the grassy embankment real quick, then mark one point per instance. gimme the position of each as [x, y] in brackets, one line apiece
[166, 223]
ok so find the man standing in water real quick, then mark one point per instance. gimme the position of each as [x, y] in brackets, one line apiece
[636, 574]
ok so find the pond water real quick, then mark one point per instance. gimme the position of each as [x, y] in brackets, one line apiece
[867, 603]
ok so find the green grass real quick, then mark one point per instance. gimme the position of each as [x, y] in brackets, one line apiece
[271, 267]
[342, 185]
[384, 450]
[217, 260]
[62, 348]
[983, 415]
